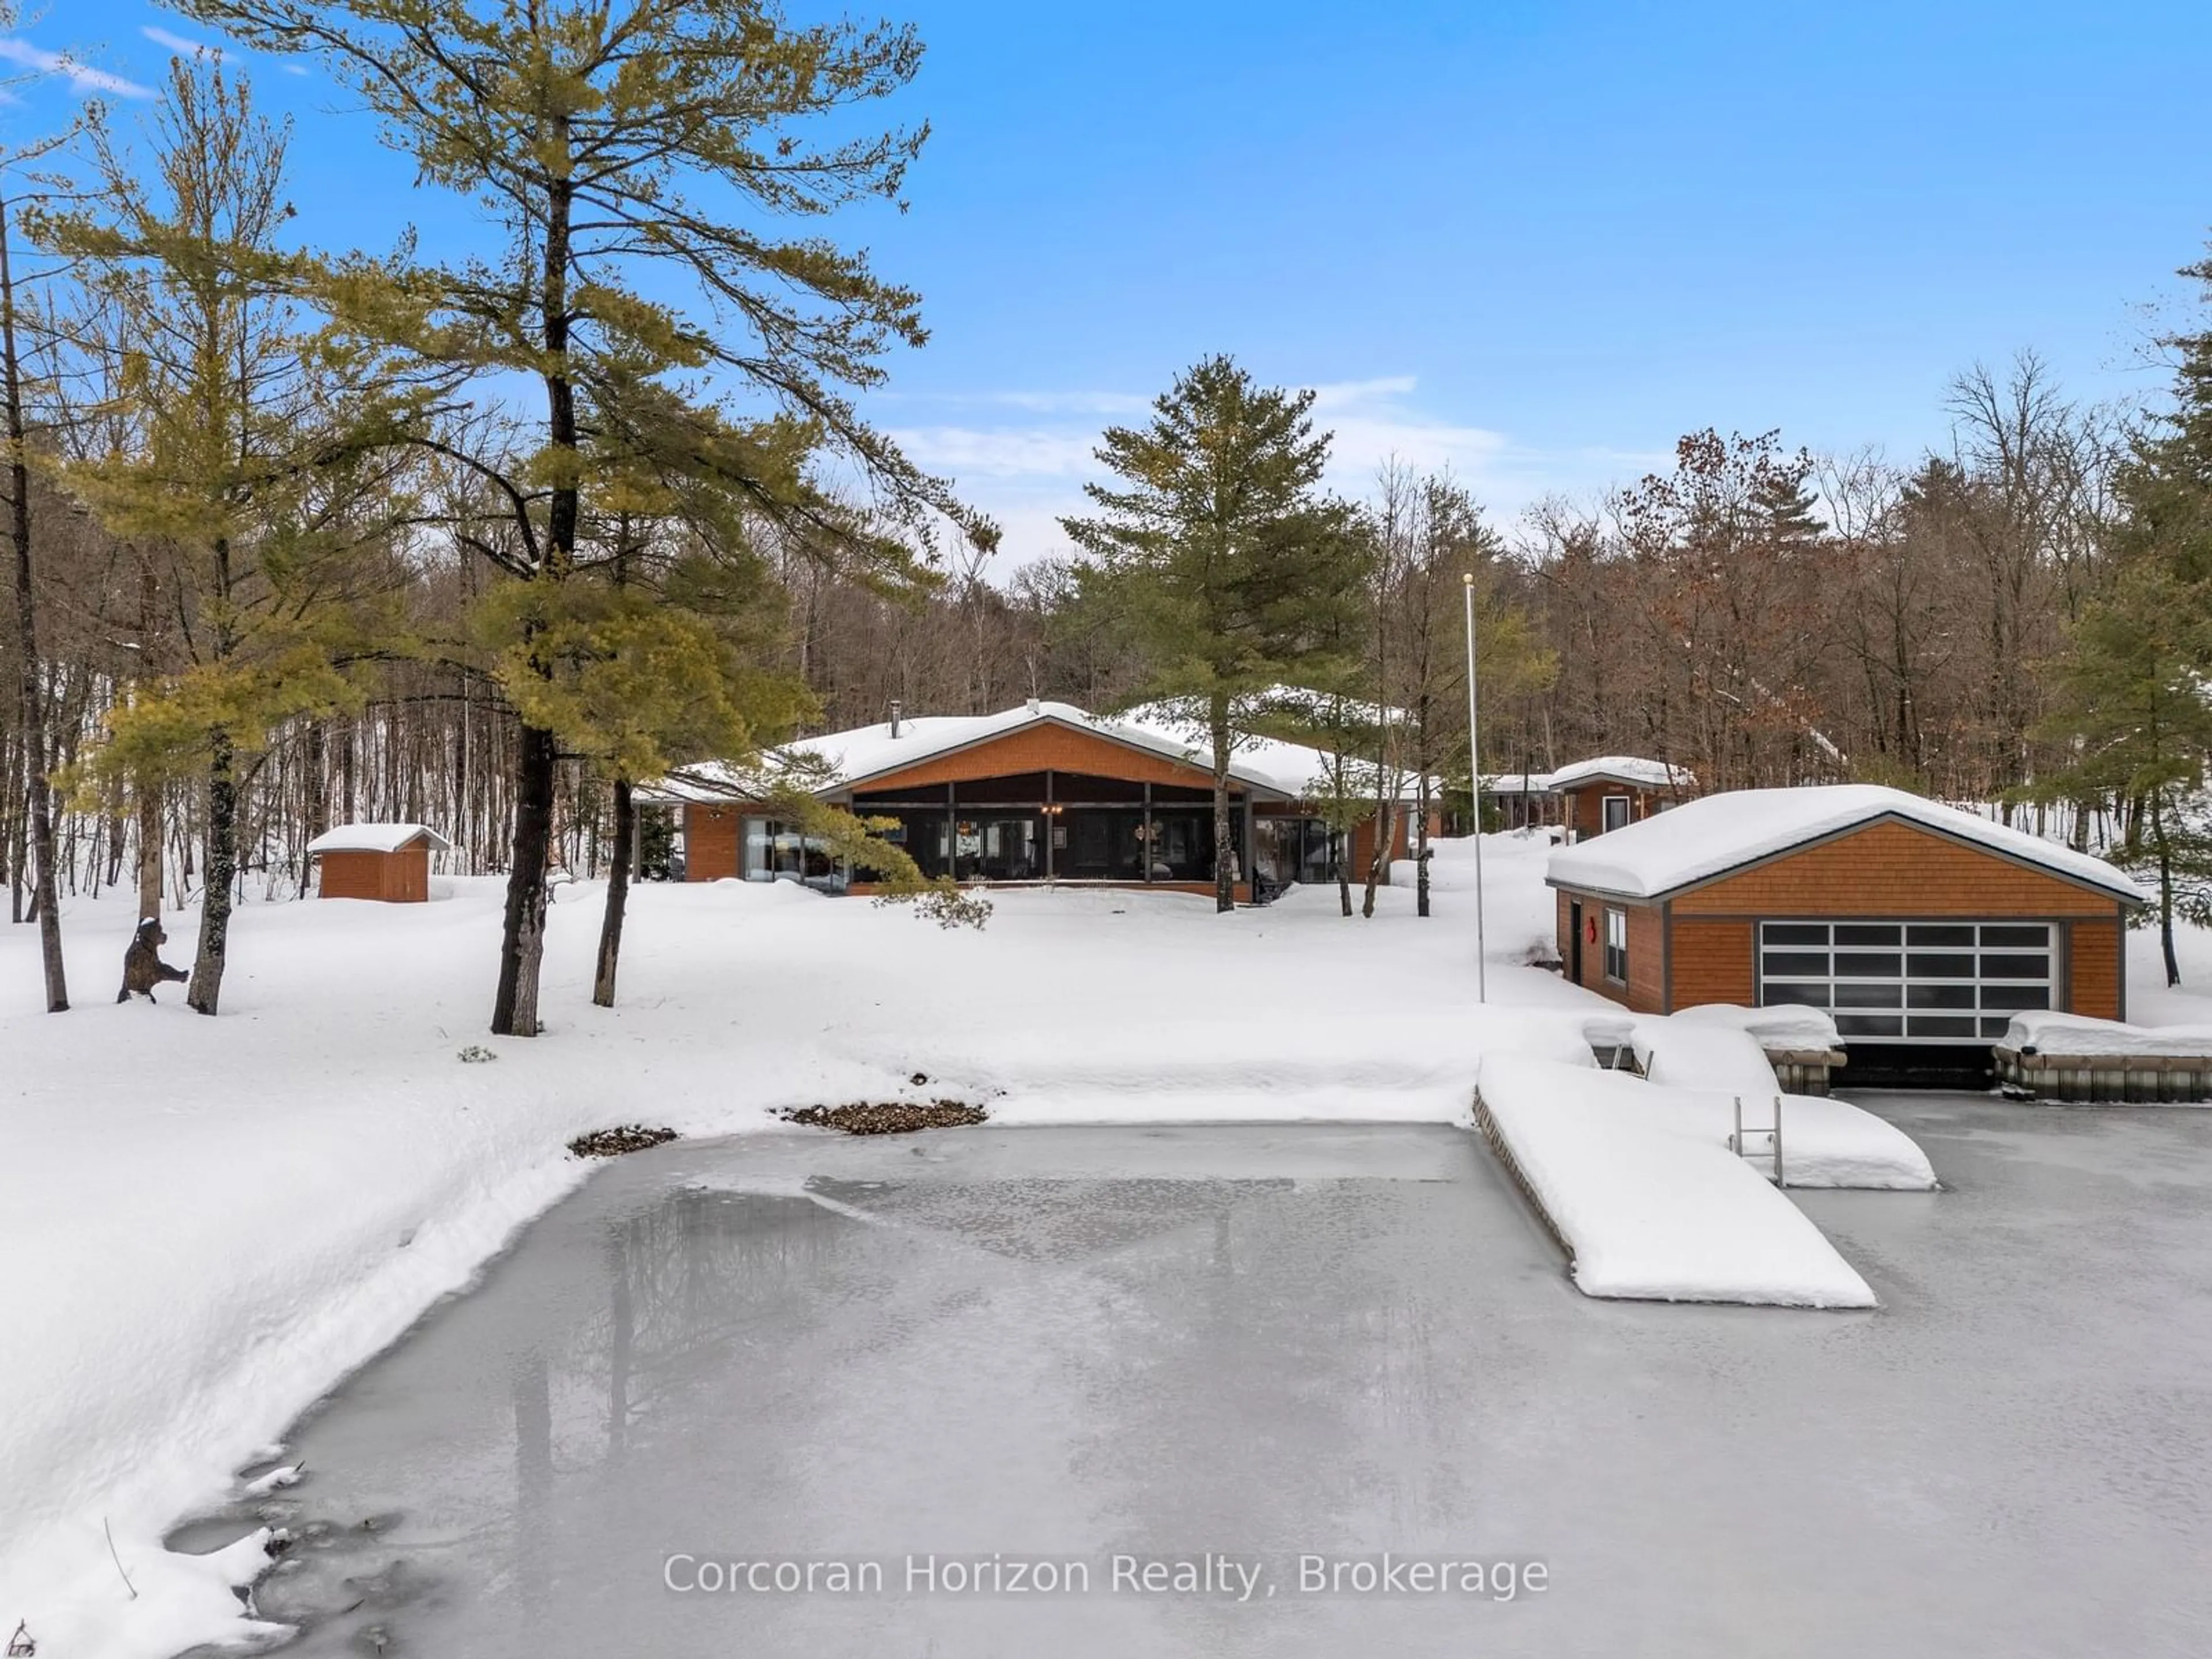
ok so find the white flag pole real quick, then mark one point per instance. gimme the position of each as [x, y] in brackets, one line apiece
[1475, 778]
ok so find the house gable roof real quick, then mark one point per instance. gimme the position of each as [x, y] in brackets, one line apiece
[1719, 835]
[867, 756]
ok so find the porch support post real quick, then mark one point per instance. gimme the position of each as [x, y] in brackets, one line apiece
[1144, 846]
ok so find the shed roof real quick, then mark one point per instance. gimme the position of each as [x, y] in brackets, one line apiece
[846, 760]
[1702, 839]
[1628, 768]
[377, 838]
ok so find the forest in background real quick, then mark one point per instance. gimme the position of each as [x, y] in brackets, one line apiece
[281, 562]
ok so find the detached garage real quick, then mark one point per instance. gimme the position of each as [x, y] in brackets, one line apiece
[1921, 928]
[390, 862]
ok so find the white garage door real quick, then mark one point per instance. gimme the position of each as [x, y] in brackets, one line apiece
[1909, 982]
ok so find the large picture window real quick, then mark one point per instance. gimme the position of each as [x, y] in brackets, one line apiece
[1616, 945]
[1932, 982]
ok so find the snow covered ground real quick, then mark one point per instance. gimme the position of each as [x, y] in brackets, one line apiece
[205, 1222]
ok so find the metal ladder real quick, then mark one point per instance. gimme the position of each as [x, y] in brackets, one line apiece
[1774, 1130]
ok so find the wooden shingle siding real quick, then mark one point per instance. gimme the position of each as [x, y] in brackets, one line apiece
[1713, 962]
[1647, 960]
[400, 878]
[2093, 970]
[710, 841]
[1041, 748]
[352, 875]
[1891, 869]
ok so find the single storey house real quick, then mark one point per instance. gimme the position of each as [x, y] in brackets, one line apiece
[387, 861]
[1916, 925]
[1044, 792]
[1614, 791]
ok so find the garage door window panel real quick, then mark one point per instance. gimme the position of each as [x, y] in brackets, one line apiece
[1919, 982]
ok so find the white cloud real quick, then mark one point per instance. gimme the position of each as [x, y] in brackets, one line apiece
[79, 76]
[178, 43]
[1027, 472]
[999, 452]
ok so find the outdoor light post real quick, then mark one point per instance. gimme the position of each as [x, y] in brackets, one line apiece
[1475, 784]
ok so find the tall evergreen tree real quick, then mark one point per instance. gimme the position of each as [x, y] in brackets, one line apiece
[622, 149]
[1226, 562]
[2131, 698]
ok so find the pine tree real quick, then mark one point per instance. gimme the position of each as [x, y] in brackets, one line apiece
[1225, 561]
[258, 465]
[2130, 692]
[2129, 699]
[621, 146]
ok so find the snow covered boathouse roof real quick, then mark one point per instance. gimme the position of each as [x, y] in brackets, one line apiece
[1721, 834]
[1624, 768]
[377, 838]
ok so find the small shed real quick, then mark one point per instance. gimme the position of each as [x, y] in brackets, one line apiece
[1918, 927]
[390, 862]
[1614, 791]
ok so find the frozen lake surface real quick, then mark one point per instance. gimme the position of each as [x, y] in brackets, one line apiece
[1268, 1343]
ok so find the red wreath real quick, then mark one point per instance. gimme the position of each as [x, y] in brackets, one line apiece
[1589, 930]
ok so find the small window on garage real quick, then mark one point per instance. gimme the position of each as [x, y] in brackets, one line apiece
[1616, 812]
[1616, 946]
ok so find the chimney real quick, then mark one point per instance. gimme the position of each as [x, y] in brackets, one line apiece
[897, 708]
[1036, 706]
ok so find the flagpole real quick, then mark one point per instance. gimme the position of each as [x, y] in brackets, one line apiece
[1474, 778]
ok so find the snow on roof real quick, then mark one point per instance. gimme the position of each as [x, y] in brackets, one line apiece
[1704, 838]
[377, 838]
[1516, 783]
[846, 760]
[1629, 769]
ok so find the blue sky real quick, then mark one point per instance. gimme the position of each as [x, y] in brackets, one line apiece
[1533, 241]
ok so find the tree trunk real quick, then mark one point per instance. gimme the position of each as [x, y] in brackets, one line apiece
[205, 991]
[611, 925]
[1386, 832]
[1225, 846]
[1421, 846]
[38, 799]
[514, 1012]
[522, 945]
[2165, 888]
[149, 850]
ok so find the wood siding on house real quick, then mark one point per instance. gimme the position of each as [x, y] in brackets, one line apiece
[1646, 955]
[400, 878]
[710, 841]
[1891, 869]
[2094, 980]
[1713, 961]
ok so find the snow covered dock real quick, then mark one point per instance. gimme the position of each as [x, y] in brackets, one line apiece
[1647, 1208]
